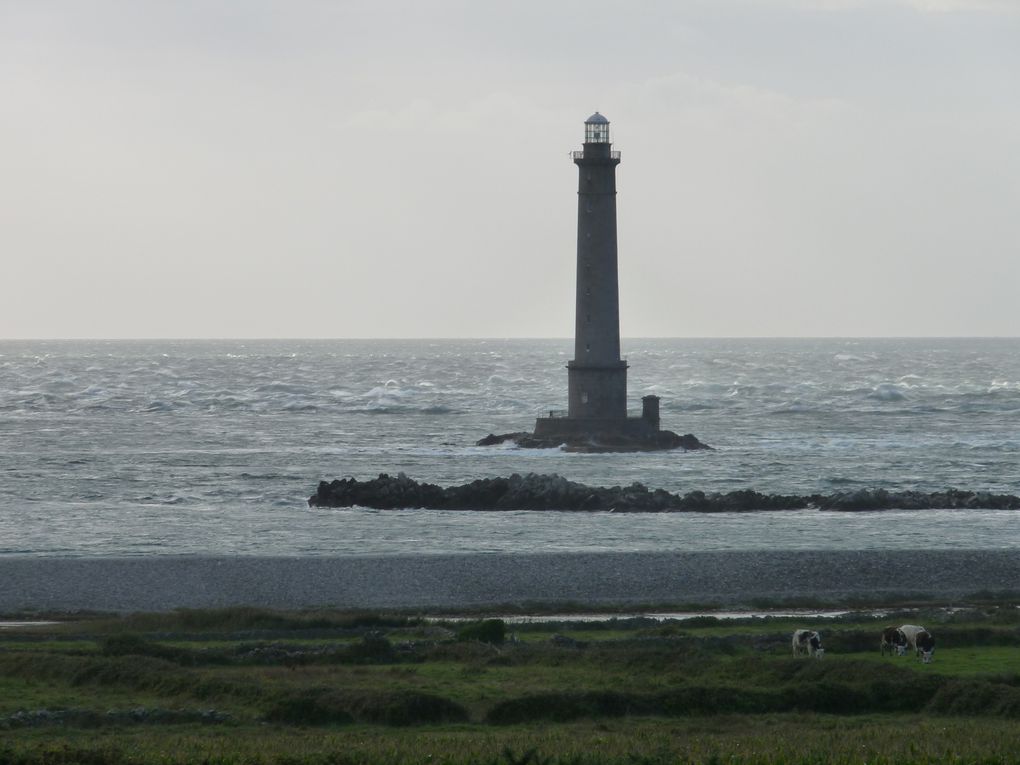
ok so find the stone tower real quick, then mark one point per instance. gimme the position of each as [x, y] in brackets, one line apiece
[596, 416]
[597, 376]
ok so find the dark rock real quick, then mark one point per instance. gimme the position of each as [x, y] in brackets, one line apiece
[601, 442]
[383, 493]
[553, 492]
[494, 440]
[688, 441]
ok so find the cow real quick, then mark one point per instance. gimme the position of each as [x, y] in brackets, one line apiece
[809, 643]
[893, 641]
[920, 640]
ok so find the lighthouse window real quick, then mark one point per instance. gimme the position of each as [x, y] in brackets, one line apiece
[596, 132]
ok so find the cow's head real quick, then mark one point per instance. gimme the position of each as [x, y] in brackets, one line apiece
[926, 646]
[900, 641]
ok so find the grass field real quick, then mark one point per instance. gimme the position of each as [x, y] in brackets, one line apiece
[247, 686]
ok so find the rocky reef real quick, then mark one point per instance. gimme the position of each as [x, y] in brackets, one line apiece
[553, 492]
[659, 440]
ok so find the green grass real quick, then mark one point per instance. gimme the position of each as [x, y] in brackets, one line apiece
[327, 687]
[964, 661]
[765, 740]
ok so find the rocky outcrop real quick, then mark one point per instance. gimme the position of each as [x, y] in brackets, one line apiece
[553, 492]
[950, 499]
[659, 440]
[494, 440]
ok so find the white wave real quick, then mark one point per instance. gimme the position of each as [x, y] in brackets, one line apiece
[887, 392]
[390, 388]
[658, 389]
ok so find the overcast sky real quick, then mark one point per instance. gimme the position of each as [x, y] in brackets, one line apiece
[400, 169]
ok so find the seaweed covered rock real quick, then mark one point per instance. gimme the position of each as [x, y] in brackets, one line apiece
[553, 492]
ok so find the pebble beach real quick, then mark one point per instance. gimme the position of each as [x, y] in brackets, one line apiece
[491, 581]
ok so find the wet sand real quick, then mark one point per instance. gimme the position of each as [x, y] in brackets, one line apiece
[724, 579]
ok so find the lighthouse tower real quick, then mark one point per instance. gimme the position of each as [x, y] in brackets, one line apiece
[597, 376]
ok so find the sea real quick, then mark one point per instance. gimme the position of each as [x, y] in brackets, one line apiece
[212, 447]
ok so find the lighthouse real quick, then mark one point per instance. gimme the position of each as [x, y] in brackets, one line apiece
[597, 376]
[596, 418]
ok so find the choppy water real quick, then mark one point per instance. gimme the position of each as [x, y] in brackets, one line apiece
[180, 447]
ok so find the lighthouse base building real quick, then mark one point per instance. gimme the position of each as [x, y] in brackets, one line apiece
[614, 433]
[596, 418]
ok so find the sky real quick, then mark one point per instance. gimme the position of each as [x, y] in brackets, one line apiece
[370, 168]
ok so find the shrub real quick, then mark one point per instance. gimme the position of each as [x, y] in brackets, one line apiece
[248, 619]
[474, 653]
[135, 645]
[486, 631]
[565, 706]
[310, 707]
[129, 645]
[828, 697]
[405, 708]
[324, 706]
[976, 636]
[976, 697]
[371, 649]
[711, 700]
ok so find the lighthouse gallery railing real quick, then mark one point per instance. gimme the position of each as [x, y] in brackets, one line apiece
[580, 155]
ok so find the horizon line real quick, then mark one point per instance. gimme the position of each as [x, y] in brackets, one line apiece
[496, 338]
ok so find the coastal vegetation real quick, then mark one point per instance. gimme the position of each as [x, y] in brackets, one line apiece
[254, 686]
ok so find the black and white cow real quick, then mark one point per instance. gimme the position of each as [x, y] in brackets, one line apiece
[809, 643]
[893, 641]
[920, 640]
